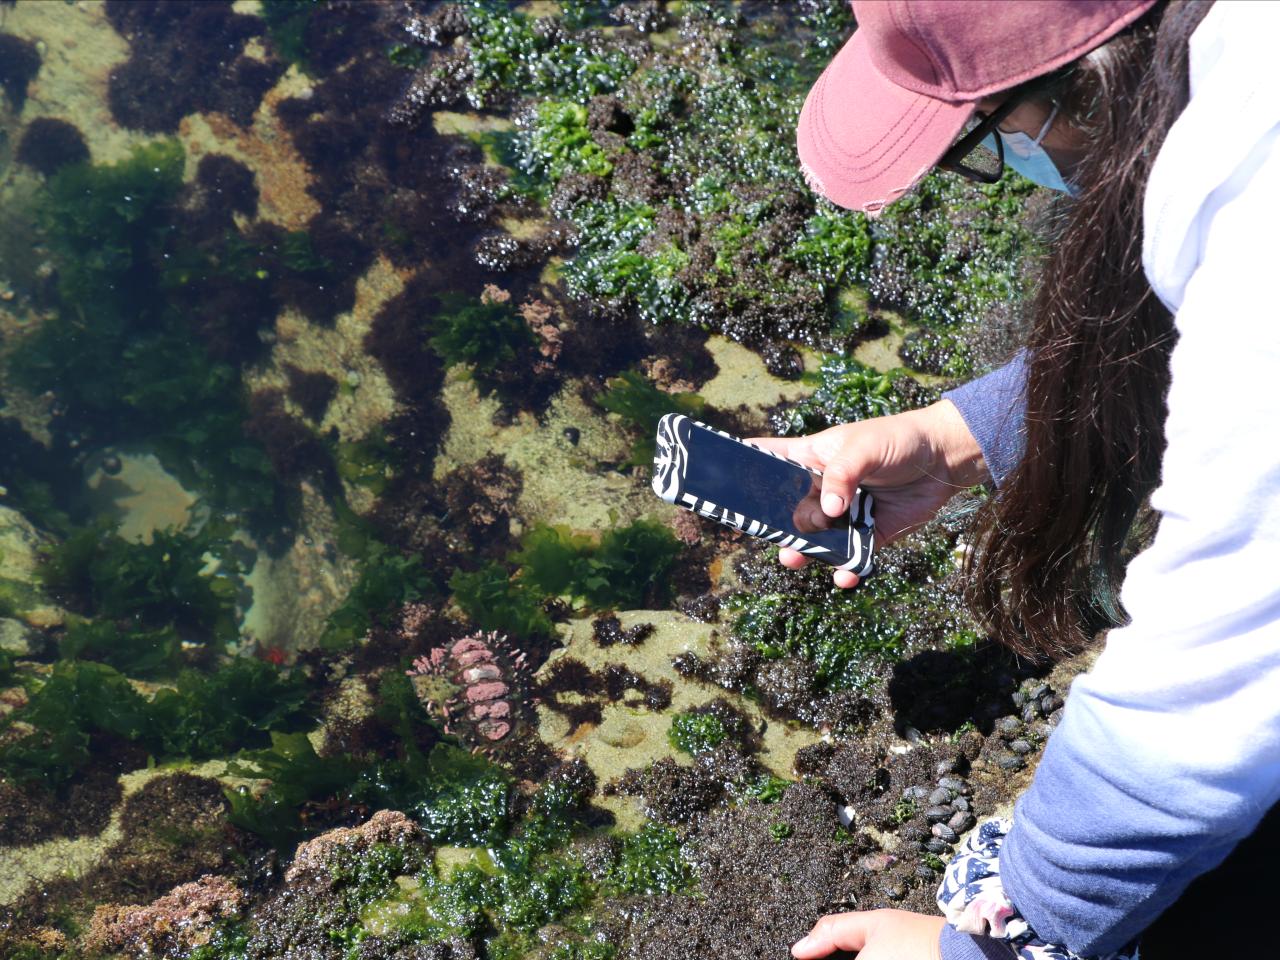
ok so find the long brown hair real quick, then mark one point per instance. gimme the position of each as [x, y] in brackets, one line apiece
[1048, 557]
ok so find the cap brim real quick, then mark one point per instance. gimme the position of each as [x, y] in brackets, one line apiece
[864, 141]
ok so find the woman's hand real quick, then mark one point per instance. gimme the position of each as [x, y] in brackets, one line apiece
[874, 935]
[912, 463]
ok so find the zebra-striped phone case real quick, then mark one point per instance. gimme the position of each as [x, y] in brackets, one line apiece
[677, 436]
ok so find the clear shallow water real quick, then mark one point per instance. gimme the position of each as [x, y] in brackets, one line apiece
[302, 381]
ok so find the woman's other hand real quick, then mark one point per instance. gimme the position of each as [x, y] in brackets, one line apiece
[912, 463]
[874, 935]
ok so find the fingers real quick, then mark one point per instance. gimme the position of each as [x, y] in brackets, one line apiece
[799, 449]
[845, 579]
[842, 476]
[836, 931]
[792, 559]
[842, 463]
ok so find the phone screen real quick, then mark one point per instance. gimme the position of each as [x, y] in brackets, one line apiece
[762, 487]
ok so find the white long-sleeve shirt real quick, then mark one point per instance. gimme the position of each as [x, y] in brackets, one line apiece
[1168, 752]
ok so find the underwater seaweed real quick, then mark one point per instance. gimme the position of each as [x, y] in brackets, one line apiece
[628, 568]
[202, 715]
[492, 601]
[487, 335]
[641, 404]
[19, 64]
[118, 355]
[387, 581]
[49, 144]
[185, 58]
[162, 585]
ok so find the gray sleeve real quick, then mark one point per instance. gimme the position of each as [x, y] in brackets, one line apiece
[994, 408]
[955, 945]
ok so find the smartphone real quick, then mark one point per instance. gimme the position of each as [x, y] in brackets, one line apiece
[760, 493]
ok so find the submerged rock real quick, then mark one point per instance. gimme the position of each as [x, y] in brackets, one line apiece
[21, 593]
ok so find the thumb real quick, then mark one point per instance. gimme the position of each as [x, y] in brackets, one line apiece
[842, 475]
[836, 931]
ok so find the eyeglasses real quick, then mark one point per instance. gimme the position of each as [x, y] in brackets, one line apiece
[965, 156]
[969, 158]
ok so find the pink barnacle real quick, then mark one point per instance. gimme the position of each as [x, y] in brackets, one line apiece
[486, 691]
[485, 671]
[493, 729]
[494, 709]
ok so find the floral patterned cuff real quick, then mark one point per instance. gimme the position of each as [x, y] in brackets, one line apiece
[973, 900]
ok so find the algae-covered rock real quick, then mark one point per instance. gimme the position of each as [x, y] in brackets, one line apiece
[21, 594]
[16, 638]
[182, 919]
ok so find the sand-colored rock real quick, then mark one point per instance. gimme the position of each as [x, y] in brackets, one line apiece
[22, 868]
[630, 736]
[264, 147]
[743, 379]
[80, 48]
[142, 496]
[561, 485]
[295, 591]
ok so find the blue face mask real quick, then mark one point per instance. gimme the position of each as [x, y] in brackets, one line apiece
[1026, 156]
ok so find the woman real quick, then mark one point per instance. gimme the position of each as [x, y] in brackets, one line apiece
[1160, 120]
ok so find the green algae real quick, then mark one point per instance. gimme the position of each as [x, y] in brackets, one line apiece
[640, 404]
[366, 463]
[137, 653]
[768, 789]
[200, 715]
[493, 602]
[560, 143]
[509, 53]
[652, 860]
[851, 636]
[118, 353]
[524, 879]
[611, 267]
[697, 212]
[388, 580]
[287, 22]
[160, 587]
[626, 567]
[849, 390]
[696, 733]
[485, 335]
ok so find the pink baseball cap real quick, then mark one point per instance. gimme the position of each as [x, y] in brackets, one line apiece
[899, 93]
